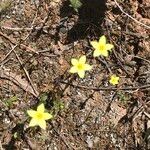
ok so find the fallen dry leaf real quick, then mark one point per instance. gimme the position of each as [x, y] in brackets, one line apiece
[118, 111]
[16, 79]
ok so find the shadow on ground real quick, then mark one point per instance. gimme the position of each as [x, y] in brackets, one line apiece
[91, 15]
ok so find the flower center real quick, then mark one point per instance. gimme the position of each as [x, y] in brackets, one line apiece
[113, 80]
[80, 66]
[39, 116]
[102, 47]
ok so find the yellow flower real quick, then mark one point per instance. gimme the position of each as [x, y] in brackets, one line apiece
[114, 80]
[80, 66]
[39, 117]
[101, 47]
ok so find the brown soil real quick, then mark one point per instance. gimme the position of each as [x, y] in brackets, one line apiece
[38, 38]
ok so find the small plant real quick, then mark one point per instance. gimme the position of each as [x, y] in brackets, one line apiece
[80, 66]
[114, 80]
[39, 117]
[10, 101]
[123, 97]
[101, 47]
[76, 4]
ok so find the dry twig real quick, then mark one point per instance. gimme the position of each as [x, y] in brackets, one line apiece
[26, 73]
[107, 88]
[148, 27]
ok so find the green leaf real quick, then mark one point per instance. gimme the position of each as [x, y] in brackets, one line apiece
[9, 102]
[58, 105]
[43, 97]
[76, 4]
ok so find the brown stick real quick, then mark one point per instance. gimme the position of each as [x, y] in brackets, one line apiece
[107, 88]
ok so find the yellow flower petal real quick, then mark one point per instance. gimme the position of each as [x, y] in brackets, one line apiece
[81, 74]
[31, 113]
[39, 116]
[95, 45]
[33, 122]
[82, 59]
[117, 78]
[100, 52]
[104, 53]
[41, 108]
[42, 124]
[74, 61]
[96, 53]
[73, 69]
[109, 47]
[47, 116]
[88, 67]
[80, 66]
[114, 80]
[102, 40]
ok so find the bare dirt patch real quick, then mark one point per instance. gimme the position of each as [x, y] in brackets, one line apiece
[38, 40]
